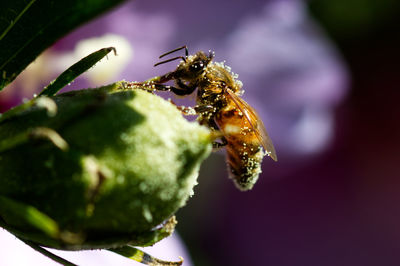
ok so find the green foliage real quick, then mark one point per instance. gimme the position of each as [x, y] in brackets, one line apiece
[27, 27]
[75, 70]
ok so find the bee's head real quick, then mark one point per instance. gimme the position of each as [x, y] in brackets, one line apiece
[193, 66]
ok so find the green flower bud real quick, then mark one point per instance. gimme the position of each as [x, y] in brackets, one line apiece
[106, 166]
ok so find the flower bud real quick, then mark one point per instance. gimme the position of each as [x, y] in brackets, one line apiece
[107, 164]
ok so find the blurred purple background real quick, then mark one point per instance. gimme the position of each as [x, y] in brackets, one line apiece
[324, 77]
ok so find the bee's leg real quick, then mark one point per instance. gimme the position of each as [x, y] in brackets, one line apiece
[185, 110]
[175, 90]
[160, 79]
[161, 87]
[151, 84]
[217, 134]
[219, 145]
[198, 109]
[156, 83]
[201, 109]
[183, 88]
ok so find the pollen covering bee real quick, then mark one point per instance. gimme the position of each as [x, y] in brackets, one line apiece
[220, 107]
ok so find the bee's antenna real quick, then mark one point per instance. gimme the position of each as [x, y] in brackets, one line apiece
[171, 59]
[177, 49]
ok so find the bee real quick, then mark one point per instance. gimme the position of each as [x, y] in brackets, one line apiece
[220, 107]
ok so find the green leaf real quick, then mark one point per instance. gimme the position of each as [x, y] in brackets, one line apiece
[27, 27]
[75, 70]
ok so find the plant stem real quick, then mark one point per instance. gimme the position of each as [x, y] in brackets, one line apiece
[48, 253]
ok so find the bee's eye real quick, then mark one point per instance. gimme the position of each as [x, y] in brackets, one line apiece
[197, 67]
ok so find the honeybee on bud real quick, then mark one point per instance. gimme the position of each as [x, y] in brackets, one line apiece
[220, 107]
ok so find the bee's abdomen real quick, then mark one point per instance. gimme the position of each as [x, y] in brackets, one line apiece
[244, 153]
[244, 166]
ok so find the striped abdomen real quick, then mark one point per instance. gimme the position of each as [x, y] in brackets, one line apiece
[244, 150]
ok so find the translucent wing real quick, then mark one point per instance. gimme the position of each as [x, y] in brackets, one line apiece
[255, 122]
